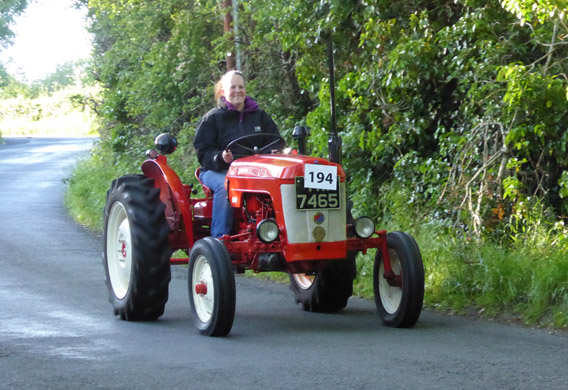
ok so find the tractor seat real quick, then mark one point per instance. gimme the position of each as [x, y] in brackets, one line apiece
[206, 190]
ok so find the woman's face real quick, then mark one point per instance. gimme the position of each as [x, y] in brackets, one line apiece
[235, 92]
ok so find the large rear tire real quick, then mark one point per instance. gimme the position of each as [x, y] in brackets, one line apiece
[327, 291]
[136, 251]
[211, 283]
[400, 305]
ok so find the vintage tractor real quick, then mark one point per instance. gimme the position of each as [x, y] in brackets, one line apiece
[291, 214]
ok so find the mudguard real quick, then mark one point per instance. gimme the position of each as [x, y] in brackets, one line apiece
[173, 195]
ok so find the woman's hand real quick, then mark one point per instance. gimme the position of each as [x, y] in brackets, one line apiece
[227, 156]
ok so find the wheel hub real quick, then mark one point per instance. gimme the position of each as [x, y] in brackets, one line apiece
[119, 256]
[393, 279]
[390, 284]
[304, 281]
[122, 250]
[201, 289]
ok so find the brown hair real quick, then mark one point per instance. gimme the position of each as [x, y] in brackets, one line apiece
[226, 76]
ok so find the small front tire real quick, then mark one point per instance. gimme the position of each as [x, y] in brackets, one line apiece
[211, 284]
[399, 305]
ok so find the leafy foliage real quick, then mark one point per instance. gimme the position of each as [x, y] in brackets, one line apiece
[65, 75]
[61, 104]
[59, 113]
[9, 9]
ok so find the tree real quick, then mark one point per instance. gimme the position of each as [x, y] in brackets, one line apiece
[63, 76]
[9, 9]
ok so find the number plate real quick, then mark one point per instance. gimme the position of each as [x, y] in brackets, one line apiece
[320, 177]
[312, 199]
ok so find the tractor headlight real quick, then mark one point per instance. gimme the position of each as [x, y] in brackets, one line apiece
[364, 227]
[267, 230]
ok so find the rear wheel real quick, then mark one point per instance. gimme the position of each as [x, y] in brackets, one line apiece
[211, 284]
[399, 303]
[326, 291]
[136, 252]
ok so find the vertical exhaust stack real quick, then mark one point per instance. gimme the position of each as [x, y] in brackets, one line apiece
[334, 141]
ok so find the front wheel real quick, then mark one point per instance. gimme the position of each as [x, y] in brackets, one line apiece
[399, 300]
[211, 284]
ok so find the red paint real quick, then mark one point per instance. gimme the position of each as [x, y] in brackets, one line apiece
[254, 191]
[201, 289]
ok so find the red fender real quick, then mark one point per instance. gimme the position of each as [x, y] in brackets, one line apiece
[173, 195]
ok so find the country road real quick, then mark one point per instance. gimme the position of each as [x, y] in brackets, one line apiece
[57, 330]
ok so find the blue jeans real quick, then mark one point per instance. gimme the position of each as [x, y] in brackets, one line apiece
[222, 218]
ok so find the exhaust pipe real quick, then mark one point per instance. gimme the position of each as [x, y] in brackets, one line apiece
[334, 141]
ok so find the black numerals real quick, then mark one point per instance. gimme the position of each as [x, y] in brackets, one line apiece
[320, 177]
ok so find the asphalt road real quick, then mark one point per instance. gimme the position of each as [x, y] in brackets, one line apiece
[57, 330]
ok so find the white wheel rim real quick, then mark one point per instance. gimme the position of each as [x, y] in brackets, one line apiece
[119, 250]
[203, 303]
[391, 296]
[304, 281]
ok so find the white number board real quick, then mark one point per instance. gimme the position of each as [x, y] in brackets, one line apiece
[323, 177]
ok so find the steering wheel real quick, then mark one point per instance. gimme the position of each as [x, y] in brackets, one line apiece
[256, 137]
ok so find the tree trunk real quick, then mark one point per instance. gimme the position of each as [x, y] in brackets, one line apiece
[228, 28]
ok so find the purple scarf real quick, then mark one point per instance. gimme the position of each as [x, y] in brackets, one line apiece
[250, 106]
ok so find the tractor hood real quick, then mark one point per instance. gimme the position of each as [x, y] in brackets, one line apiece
[277, 166]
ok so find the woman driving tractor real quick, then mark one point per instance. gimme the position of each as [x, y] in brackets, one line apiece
[236, 115]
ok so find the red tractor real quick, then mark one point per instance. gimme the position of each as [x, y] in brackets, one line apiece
[291, 214]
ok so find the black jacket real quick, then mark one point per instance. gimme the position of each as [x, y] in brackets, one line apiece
[222, 125]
